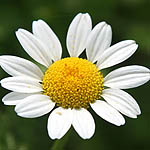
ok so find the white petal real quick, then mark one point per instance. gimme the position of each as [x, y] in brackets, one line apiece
[78, 32]
[59, 122]
[34, 106]
[42, 31]
[83, 123]
[127, 77]
[14, 98]
[34, 47]
[22, 84]
[108, 113]
[98, 40]
[122, 101]
[117, 54]
[17, 66]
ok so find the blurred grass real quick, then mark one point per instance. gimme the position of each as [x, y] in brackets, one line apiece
[129, 20]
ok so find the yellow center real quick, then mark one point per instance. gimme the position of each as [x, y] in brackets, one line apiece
[73, 83]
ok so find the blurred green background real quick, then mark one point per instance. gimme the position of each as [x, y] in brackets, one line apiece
[129, 20]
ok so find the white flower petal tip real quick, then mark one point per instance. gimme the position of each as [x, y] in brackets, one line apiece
[17, 66]
[83, 123]
[78, 32]
[108, 113]
[14, 98]
[127, 77]
[34, 106]
[98, 41]
[34, 47]
[22, 84]
[122, 101]
[117, 54]
[59, 122]
[43, 32]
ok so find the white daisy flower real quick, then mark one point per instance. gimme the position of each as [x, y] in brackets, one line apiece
[73, 84]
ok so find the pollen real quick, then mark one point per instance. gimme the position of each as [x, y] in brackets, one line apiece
[73, 83]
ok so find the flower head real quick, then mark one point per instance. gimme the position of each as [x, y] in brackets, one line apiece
[73, 84]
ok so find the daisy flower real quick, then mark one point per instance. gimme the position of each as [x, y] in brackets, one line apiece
[73, 85]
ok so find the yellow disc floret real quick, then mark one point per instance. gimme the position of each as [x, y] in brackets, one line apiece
[73, 83]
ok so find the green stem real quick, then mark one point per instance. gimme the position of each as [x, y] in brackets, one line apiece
[60, 144]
